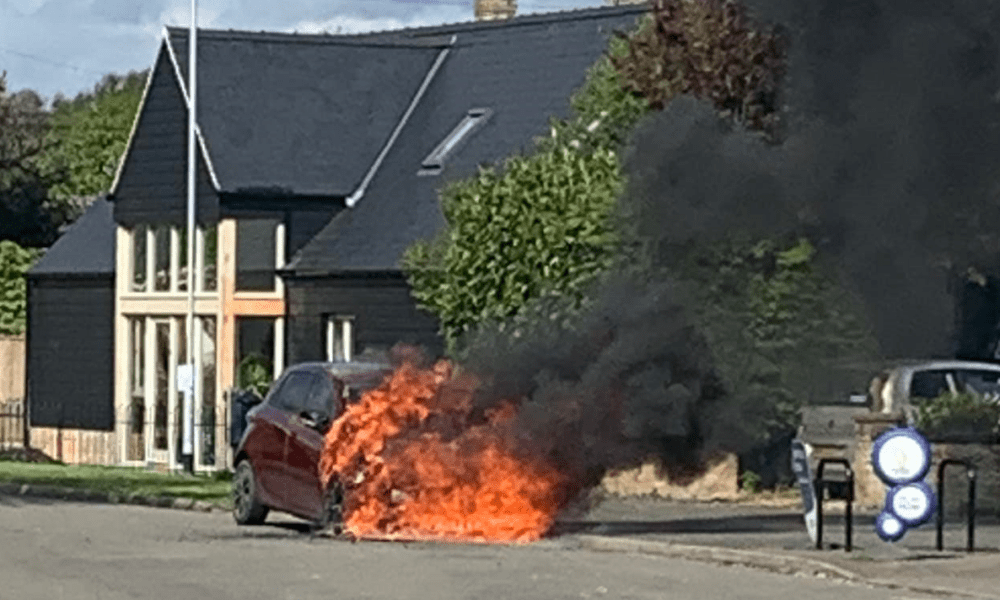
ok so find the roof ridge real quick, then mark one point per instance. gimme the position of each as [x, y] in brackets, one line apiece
[180, 33]
[416, 37]
[574, 14]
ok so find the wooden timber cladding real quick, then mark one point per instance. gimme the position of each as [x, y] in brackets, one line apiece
[12, 353]
[76, 446]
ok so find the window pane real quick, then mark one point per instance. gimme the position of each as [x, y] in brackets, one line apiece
[207, 429]
[255, 356]
[138, 354]
[182, 253]
[209, 262]
[179, 416]
[139, 259]
[255, 254]
[162, 258]
[162, 385]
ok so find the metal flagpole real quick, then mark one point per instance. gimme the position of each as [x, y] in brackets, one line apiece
[187, 451]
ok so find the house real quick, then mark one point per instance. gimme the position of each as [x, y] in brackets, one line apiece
[320, 158]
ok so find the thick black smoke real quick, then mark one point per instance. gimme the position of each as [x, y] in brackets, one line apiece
[889, 162]
[630, 379]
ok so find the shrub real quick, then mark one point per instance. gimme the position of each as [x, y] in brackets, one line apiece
[962, 417]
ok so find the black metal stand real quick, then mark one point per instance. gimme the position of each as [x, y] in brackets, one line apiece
[970, 472]
[820, 486]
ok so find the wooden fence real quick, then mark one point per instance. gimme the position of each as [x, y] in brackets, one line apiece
[12, 359]
[11, 425]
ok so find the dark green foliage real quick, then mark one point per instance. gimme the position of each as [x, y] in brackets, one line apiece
[962, 417]
[26, 215]
[89, 135]
[540, 225]
[14, 264]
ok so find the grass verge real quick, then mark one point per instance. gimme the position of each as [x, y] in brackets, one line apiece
[122, 481]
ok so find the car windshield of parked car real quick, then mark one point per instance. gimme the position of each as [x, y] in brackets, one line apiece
[293, 391]
[320, 397]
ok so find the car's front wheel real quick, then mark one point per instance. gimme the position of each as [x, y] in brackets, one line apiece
[247, 509]
[332, 521]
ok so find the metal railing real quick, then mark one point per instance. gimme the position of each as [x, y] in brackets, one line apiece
[970, 473]
[819, 485]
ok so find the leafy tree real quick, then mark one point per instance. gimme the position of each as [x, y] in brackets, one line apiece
[539, 225]
[709, 49]
[14, 264]
[89, 134]
[26, 215]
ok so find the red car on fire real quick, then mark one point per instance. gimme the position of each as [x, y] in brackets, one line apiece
[277, 458]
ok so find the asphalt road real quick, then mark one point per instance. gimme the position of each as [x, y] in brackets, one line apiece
[66, 551]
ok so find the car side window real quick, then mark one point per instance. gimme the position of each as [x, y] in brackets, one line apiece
[293, 392]
[980, 381]
[929, 384]
[321, 396]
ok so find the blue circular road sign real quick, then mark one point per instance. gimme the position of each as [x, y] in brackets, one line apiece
[901, 456]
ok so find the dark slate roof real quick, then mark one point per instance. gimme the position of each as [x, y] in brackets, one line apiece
[299, 114]
[524, 69]
[86, 248]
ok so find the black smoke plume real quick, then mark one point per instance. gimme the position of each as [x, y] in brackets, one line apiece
[888, 162]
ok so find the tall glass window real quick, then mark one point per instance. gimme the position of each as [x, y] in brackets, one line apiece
[136, 425]
[161, 251]
[209, 253]
[207, 421]
[139, 259]
[255, 353]
[256, 254]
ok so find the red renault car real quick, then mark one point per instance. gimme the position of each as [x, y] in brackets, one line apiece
[277, 459]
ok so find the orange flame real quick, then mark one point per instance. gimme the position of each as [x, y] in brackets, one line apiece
[413, 467]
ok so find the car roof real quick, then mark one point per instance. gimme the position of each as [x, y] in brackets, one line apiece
[927, 365]
[344, 370]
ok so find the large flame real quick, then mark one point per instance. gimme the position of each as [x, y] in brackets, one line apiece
[414, 467]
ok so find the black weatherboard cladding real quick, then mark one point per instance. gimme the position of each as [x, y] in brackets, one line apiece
[303, 115]
[383, 310]
[71, 352]
[524, 71]
[153, 183]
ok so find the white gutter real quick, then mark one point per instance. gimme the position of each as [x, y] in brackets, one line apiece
[355, 197]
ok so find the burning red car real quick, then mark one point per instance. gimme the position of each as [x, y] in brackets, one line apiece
[278, 455]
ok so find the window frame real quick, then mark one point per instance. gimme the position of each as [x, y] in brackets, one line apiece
[473, 120]
[340, 326]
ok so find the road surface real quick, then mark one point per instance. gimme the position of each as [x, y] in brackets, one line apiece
[67, 551]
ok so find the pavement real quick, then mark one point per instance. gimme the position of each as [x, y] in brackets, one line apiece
[770, 538]
[774, 538]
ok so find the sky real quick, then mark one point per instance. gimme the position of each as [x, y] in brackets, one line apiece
[66, 46]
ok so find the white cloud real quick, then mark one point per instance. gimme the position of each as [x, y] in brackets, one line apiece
[364, 24]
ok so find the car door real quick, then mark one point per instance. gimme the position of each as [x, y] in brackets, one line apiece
[269, 440]
[305, 443]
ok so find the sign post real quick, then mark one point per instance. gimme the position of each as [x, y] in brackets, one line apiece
[901, 458]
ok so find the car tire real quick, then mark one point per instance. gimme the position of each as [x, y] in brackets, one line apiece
[332, 521]
[247, 509]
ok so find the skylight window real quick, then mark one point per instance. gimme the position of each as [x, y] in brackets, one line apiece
[472, 121]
